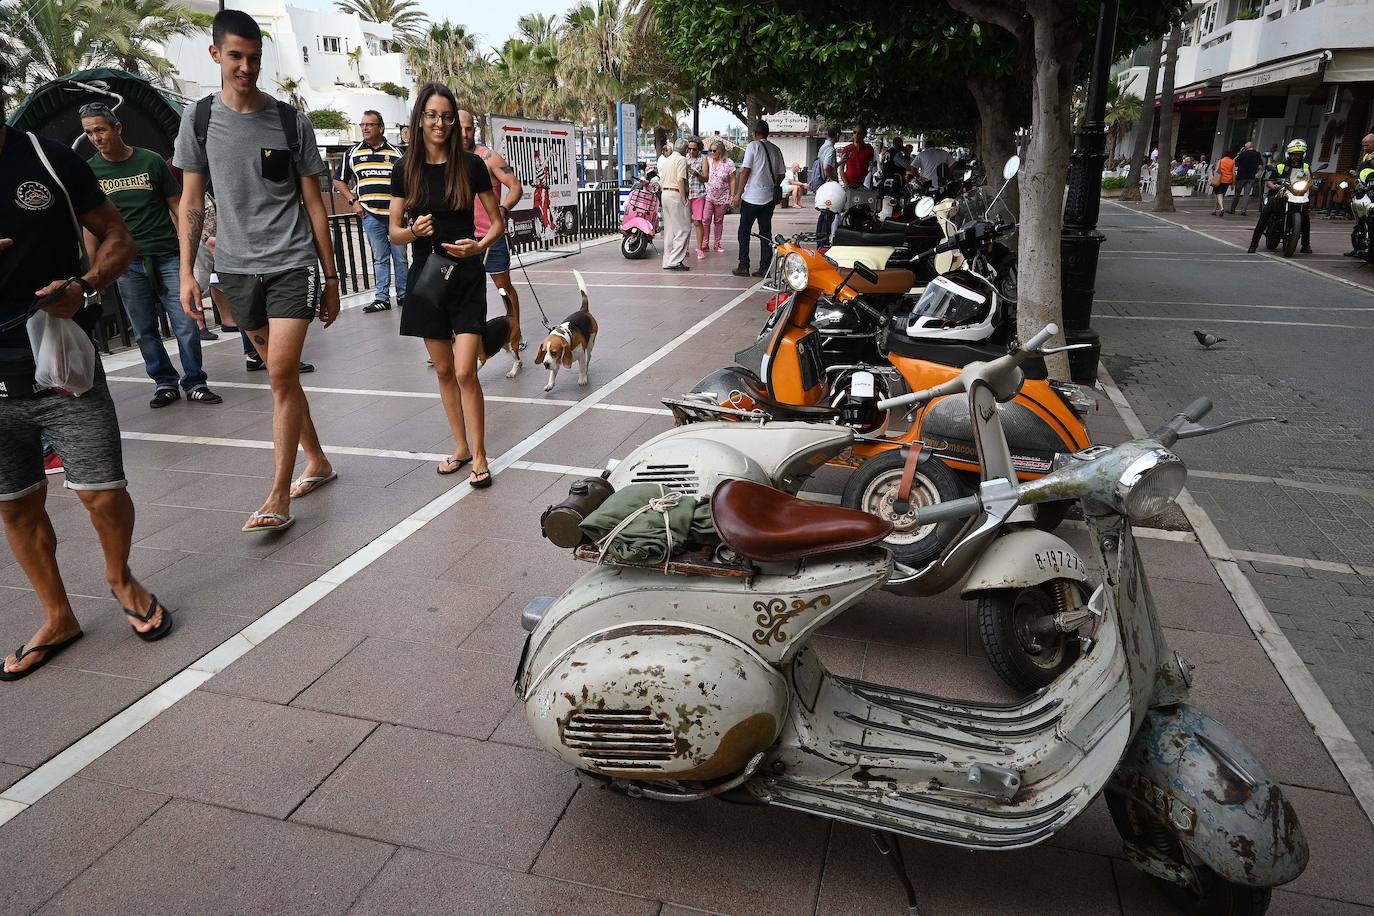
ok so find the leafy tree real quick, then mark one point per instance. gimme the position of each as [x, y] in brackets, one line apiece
[1142, 140]
[292, 86]
[392, 89]
[405, 16]
[328, 119]
[1164, 200]
[596, 36]
[443, 50]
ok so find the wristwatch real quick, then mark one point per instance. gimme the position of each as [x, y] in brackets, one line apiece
[88, 292]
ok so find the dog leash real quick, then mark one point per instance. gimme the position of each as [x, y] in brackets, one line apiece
[543, 319]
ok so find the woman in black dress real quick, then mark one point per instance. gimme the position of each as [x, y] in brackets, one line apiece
[433, 189]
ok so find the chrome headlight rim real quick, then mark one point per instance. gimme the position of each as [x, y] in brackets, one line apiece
[1149, 484]
[795, 272]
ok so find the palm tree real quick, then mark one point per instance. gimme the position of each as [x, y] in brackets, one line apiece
[1123, 110]
[596, 35]
[441, 52]
[56, 37]
[405, 16]
[292, 87]
[1164, 192]
[355, 60]
[536, 27]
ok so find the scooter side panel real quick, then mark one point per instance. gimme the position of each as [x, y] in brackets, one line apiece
[1214, 797]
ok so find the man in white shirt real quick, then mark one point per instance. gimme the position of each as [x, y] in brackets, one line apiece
[755, 196]
[677, 219]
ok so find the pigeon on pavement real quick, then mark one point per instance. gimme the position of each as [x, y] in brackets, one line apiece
[1207, 339]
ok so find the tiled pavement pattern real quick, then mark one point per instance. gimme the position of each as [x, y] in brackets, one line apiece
[369, 757]
[1317, 501]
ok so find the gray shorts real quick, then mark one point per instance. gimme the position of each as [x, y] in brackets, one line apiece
[83, 431]
[204, 267]
[254, 298]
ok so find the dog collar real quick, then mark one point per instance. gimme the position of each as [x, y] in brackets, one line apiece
[564, 332]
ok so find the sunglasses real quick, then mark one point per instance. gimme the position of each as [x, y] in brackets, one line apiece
[95, 109]
[447, 117]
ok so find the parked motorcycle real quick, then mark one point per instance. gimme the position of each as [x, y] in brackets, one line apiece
[697, 681]
[1285, 228]
[639, 225]
[1362, 206]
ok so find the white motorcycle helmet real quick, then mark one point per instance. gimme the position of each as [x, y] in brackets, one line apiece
[830, 196]
[961, 307]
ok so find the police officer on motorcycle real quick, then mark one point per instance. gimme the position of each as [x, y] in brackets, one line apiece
[1293, 167]
[1359, 237]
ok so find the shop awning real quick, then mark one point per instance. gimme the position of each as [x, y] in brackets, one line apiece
[1350, 67]
[1281, 72]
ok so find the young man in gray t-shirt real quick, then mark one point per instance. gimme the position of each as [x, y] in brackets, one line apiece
[271, 239]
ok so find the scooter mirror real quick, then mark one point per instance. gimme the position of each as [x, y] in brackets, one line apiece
[924, 207]
[1011, 168]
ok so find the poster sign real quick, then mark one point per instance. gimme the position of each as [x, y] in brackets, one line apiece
[542, 154]
[627, 121]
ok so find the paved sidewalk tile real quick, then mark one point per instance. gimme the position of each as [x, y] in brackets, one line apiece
[1279, 735]
[421, 882]
[237, 753]
[423, 686]
[965, 677]
[730, 858]
[200, 860]
[1340, 839]
[50, 709]
[1197, 606]
[933, 624]
[54, 841]
[421, 610]
[10, 774]
[1229, 664]
[488, 802]
[283, 665]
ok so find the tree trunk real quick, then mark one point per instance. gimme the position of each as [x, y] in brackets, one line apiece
[1043, 175]
[600, 175]
[754, 111]
[996, 132]
[1147, 125]
[660, 138]
[1164, 189]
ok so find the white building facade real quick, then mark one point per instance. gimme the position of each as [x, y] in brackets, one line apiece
[1268, 71]
[311, 45]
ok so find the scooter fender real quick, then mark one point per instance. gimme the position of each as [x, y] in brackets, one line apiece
[1023, 557]
[1211, 793]
[639, 223]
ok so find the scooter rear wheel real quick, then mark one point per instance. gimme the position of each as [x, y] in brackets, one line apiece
[1213, 895]
[873, 489]
[1024, 660]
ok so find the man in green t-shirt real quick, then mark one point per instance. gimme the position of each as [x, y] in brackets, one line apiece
[145, 192]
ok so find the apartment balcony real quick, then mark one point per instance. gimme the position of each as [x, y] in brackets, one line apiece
[1229, 48]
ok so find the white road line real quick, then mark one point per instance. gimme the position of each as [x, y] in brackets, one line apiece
[1213, 320]
[266, 445]
[426, 395]
[1168, 223]
[1241, 305]
[59, 769]
[662, 286]
[1326, 723]
[1286, 482]
[561, 469]
[1350, 569]
[1220, 259]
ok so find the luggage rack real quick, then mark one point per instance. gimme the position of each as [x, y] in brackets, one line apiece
[693, 411]
[699, 562]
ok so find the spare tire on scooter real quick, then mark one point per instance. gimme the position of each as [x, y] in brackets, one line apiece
[873, 488]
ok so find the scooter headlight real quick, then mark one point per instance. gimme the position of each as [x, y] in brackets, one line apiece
[1150, 484]
[795, 271]
[1301, 185]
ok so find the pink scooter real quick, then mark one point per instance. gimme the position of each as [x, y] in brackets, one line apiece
[640, 222]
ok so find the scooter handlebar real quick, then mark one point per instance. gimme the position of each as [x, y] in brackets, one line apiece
[1042, 338]
[953, 386]
[944, 511]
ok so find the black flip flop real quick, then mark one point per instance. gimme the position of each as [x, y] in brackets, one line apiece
[50, 651]
[483, 482]
[161, 630]
[456, 467]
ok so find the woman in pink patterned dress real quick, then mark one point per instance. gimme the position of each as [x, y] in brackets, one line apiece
[719, 186]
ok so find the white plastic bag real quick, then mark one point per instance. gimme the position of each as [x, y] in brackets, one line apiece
[63, 353]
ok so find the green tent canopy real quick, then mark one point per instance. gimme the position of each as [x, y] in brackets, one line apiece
[149, 117]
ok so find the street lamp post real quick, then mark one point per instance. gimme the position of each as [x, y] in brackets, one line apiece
[1080, 241]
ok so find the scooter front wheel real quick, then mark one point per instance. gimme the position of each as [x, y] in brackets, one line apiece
[1209, 894]
[1291, 231]
[634, 246]
[873, 489]
[1016, 627]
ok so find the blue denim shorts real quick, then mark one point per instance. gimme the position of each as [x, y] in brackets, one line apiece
[498, 257]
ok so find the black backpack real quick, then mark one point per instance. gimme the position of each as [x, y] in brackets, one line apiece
[289, 125]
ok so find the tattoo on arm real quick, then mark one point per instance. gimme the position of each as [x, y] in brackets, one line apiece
[508, 170]
[195, 225]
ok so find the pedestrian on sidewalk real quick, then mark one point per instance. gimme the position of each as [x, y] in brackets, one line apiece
[719, 187]
[1247, 181]
[260, 154]
[435, 190]
[48, 198]
[697, 166]
[826, 170]
[511, 190]
[143, 189]
[1225, 176]
[364, 177]
[677, 218]
[757, 193]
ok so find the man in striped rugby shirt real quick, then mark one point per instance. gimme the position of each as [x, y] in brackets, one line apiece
[364, 175]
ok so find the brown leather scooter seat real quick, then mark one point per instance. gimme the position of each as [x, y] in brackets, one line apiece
[893, 280]
[768, 525]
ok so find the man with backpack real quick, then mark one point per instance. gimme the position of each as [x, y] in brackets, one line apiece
[757, 193]
[271, 240]
[822, 171]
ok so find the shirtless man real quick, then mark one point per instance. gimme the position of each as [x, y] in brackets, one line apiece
[503, 177]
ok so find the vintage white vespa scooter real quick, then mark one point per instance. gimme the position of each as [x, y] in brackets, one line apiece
[1027, 582]
[684, 687]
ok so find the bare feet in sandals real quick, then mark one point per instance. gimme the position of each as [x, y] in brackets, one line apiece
[311, 479]
[480, 479]
[134, 596]
[43, 645]
[453, 464]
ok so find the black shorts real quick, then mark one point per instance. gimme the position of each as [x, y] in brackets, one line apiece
[83, 431]
[254, 298]
[464, 313]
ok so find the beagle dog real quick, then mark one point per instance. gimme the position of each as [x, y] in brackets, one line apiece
[573, 339]
[502, 333]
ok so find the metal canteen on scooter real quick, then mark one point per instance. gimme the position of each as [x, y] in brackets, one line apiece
[688, 683]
